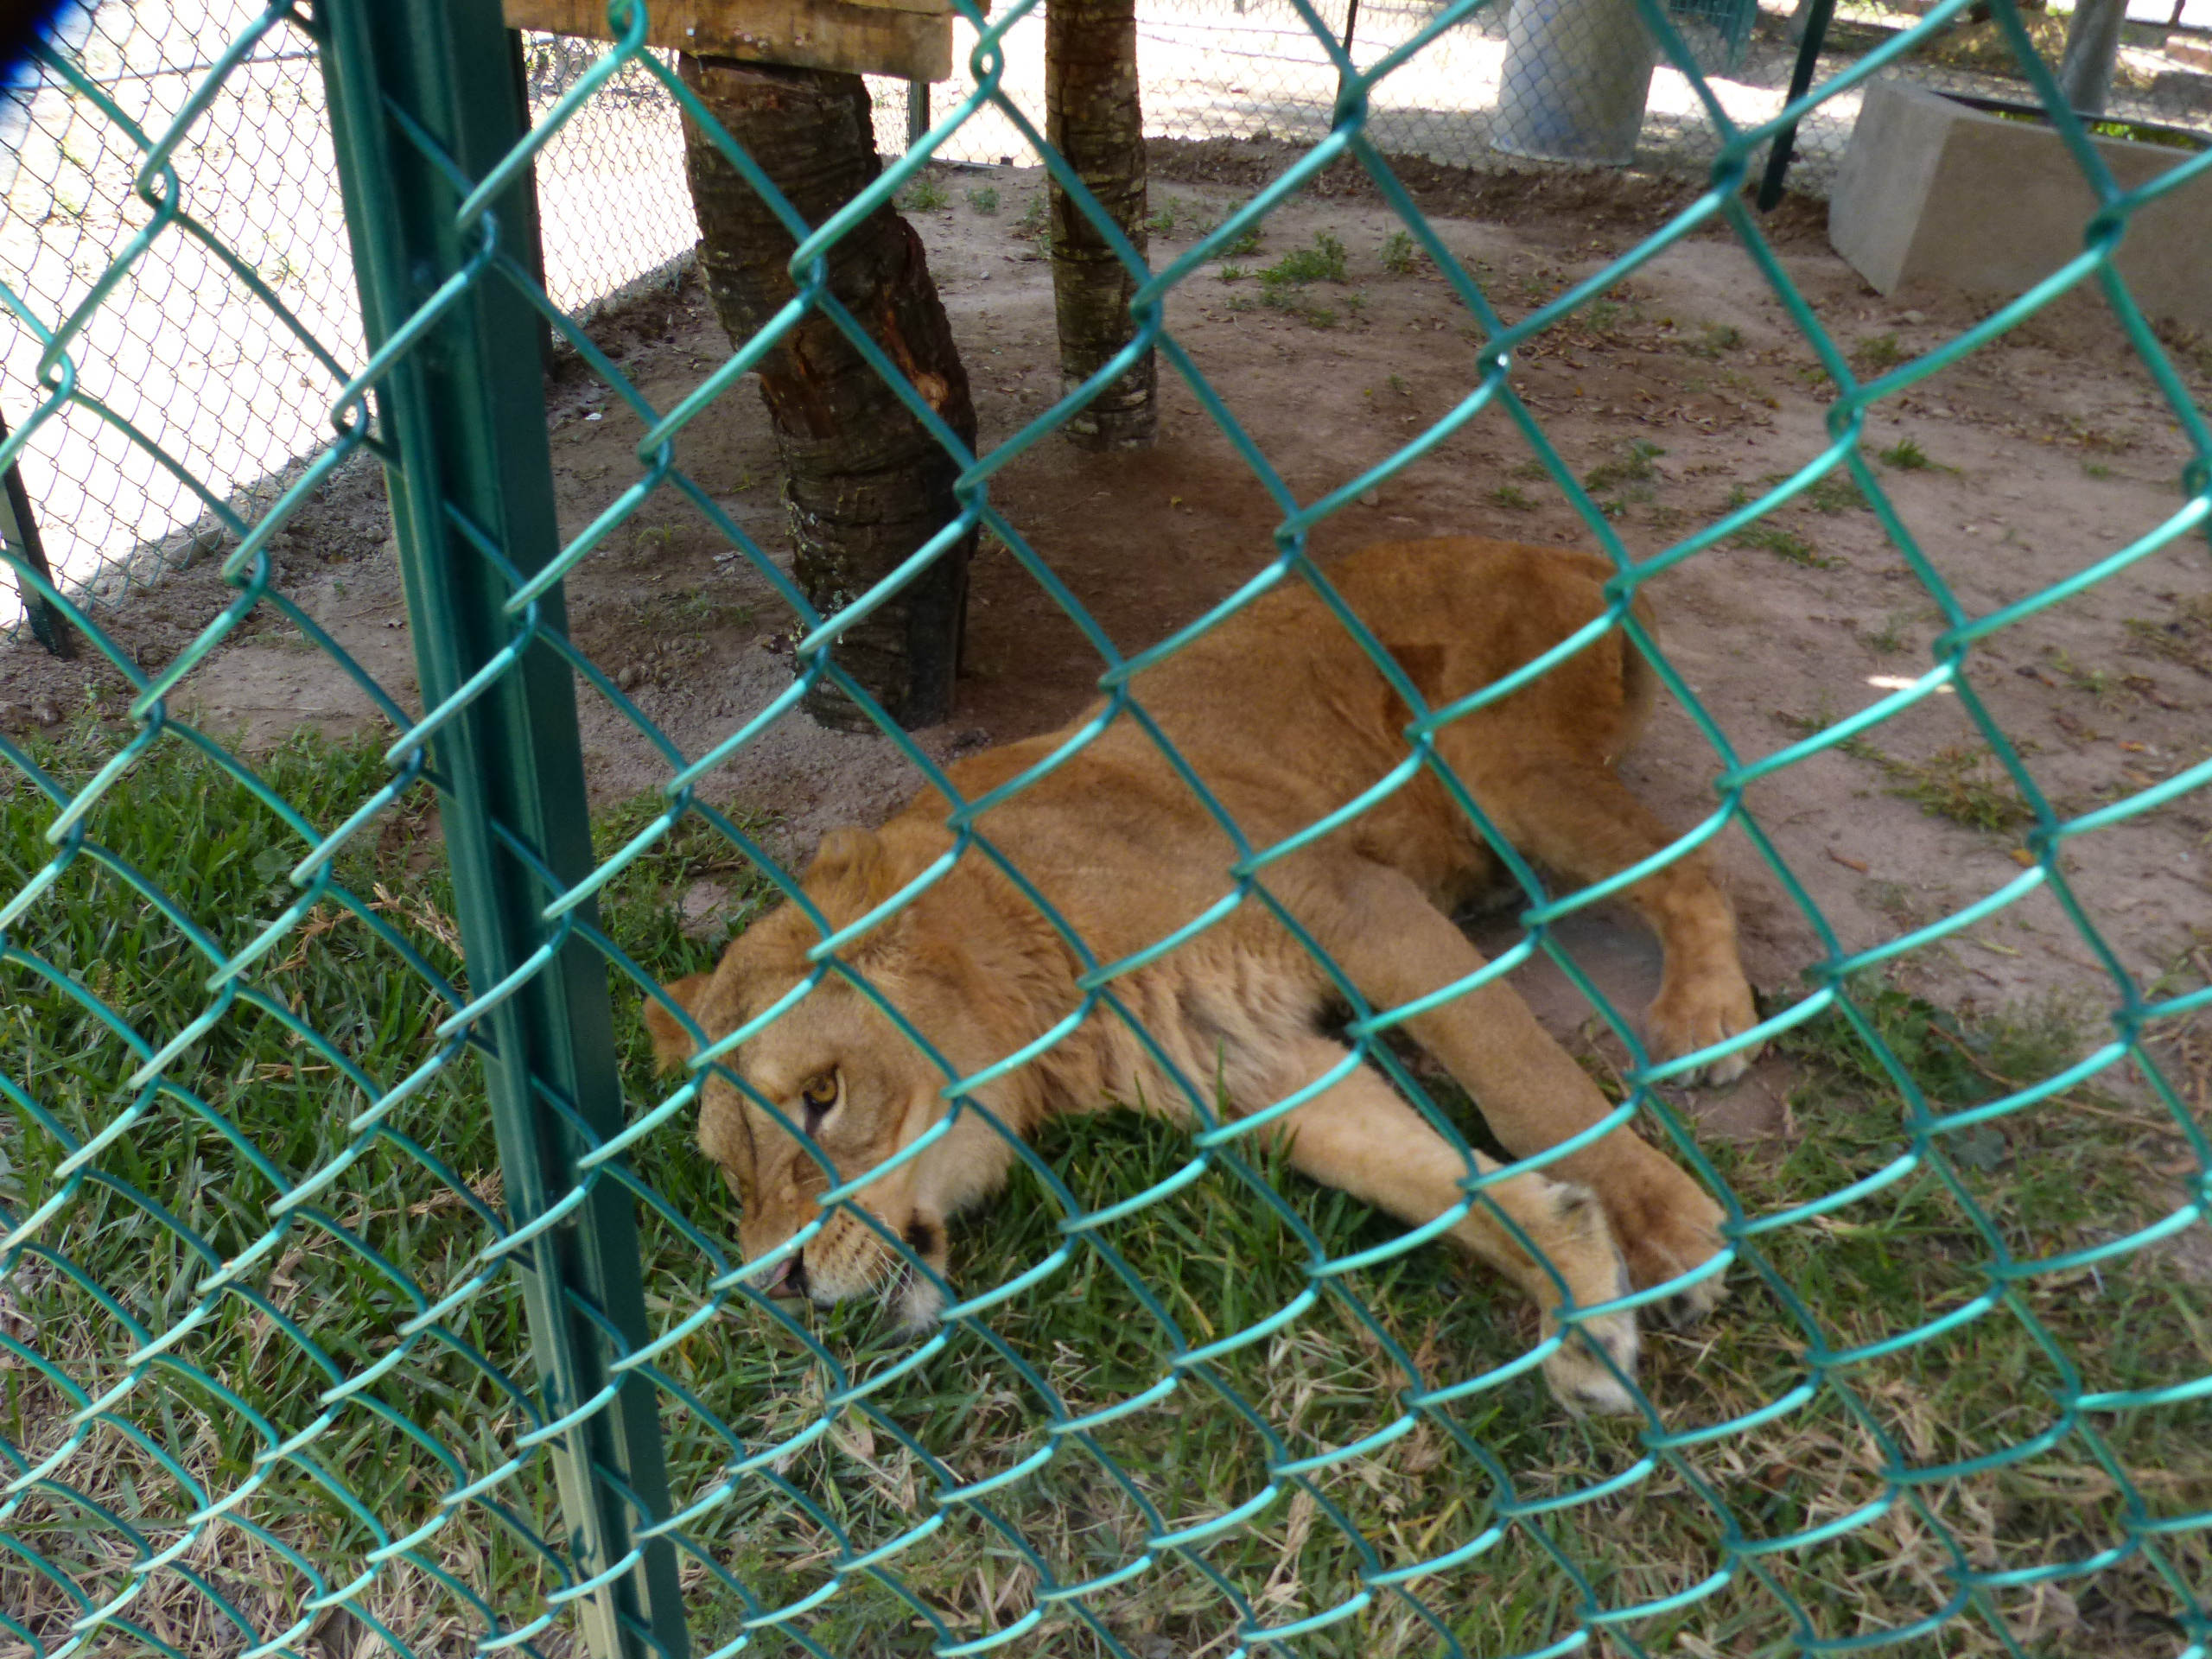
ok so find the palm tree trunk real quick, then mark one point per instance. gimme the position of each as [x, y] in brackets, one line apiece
[864, 483]
[1092, 116]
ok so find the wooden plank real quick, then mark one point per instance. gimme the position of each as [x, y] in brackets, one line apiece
[911, 39]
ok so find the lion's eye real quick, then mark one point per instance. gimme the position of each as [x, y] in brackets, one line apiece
[818, 1095]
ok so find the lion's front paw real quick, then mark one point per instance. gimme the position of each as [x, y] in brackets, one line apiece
[1667, 1228]
[1584, 1384]
[1692, 1012]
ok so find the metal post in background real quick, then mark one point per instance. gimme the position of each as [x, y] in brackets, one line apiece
[418, 87]
[917, 112]
[19, 529]
[1800, 77]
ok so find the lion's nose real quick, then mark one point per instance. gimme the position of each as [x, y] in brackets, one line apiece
[792, 1282]
[787, 1279]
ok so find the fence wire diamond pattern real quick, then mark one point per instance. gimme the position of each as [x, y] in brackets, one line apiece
[358, 1286]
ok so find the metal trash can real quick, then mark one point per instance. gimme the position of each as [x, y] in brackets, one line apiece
[1577, 74]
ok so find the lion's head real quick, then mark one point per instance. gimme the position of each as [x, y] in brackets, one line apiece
[835, 1068]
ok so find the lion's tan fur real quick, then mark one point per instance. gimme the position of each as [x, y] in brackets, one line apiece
[1285, 719]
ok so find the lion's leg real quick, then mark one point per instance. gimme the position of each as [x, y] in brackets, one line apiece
[1396, 947]
[1576, 817]
[1359, 1136]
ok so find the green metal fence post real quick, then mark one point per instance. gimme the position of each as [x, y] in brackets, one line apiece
[423, 101]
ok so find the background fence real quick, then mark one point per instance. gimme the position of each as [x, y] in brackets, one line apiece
[193, 364]
[358, 1286]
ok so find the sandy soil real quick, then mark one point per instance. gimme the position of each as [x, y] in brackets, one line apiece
[2050, 449]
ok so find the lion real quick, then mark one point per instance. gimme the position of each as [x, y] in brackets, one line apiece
[1285, 719]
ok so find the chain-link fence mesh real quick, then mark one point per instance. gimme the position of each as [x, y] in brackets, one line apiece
[191, 358]
[360, 1289]
[618, 216]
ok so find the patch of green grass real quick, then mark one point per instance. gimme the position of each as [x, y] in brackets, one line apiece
[1322, 263]
[1785, 544]
[1401, 255]
[1713, 340]
[1232, 273]
[984, 198]
[2099, 684]
[1512, 498]
[1906, 456]
[1634, 467]
[711, 605]
[924, 193]
[2072, 1170]
[1962, 783]
[1876, 353]
[1836, 492]
[1602, 315]
[1283, 284]
[1242, 245]
[1035, 225]
[1182, 214]
[2184, 635]
[350, 997]
[1891, 636]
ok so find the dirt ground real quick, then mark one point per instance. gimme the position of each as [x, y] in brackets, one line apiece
[2045, 452]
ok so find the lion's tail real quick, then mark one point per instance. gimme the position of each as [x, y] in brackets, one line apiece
[1639, 681]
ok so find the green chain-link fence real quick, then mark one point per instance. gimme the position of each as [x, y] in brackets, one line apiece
[189, 363]
[360, 1291]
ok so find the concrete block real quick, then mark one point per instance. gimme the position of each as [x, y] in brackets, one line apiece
[1936, 193]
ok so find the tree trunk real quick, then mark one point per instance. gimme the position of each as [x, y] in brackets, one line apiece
[2092, 50]
[864, 483]
[1092, 116]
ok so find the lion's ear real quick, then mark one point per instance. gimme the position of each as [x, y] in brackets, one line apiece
[849, 875]
[672, 1045]
[847, 854]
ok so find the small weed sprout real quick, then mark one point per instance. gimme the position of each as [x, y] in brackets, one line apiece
[1634, 468]
[1890, 640]
[1322, 263]
[1880, 352]
[1906, 456]
[984, 200]
[1402, 255]
[1180, 212]
[1837, 493]
[1281, 284]
[1512, 498]
[1783, 544]
[1244, 245]
[2185, 637]
[1714, 338]
[1035, 225]
[924, 193]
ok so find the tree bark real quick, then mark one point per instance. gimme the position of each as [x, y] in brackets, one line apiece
[864, 483]
[1093, 117]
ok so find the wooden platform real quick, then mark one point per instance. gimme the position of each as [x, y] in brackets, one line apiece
[911, 39]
